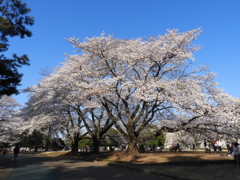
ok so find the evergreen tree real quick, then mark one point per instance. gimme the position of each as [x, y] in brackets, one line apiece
[13, 20]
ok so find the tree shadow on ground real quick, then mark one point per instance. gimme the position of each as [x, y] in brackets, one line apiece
[30, 167]
[88, 156]
[175, 163]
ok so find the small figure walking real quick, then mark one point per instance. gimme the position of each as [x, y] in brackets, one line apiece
[4, 151]
[209, 145]
[219, 145]
[16, 151]
[194, 147]
[228, 146]
[205, 145]
[236, 154]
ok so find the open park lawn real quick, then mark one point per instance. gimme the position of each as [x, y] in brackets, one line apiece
[184, 165]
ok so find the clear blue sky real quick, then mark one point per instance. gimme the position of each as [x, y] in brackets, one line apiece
[56, 20]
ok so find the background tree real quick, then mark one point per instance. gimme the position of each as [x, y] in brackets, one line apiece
[4, 145]
[59, 101]
[13, 20]
[155, 139]
[217, 114]
[35, 140]
[50, 107]
[58, 144]
[113, 138]
[22, 139]
[85, 144]
[9, 122]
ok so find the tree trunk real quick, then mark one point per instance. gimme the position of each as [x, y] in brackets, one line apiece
[132, 148]
[75, 146]
[96, 144]
[75, 141]
[47, 145]
[35, 148]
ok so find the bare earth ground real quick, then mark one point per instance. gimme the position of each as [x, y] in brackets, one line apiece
[177, 165]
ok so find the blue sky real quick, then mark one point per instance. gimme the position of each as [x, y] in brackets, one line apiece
[56, 20]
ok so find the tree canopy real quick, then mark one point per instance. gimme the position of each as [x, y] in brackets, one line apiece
[13, 22]
[132, 83]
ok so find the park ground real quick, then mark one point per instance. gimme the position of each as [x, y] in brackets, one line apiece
[196, 165]
[185, 165]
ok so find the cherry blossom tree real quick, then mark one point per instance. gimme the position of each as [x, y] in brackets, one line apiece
[9, 122]
[217, 113]
[54, 102]
[54, 106]
[138, 82]
[47, 110]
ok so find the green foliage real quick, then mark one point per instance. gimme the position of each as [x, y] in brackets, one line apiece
[4, 145]
[152, 131]
[157, 141]
[112, 131]
[34, 140]
[23, 137]
[111, 138]
[13, 20]
[82, 143]
[57, 144]
[37, 139]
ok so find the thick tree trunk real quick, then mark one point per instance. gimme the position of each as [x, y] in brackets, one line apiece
[75, 146]
[132, 148]
[96, 144]
[75, 142]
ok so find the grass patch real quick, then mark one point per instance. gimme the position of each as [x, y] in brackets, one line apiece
[46, 153]
[114, 161]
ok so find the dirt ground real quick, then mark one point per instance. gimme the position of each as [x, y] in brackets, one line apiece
[152, 157]
[176, 165]
[184, 165]
[169, 157]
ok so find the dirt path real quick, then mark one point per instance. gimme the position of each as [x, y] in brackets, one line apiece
[32, 167]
